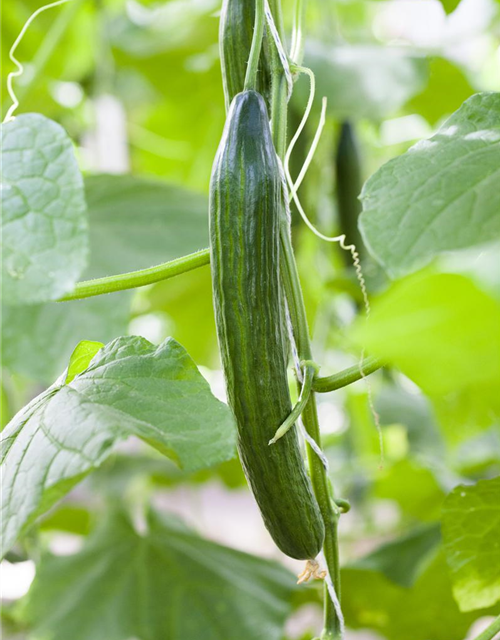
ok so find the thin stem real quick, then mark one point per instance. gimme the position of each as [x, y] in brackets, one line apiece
[140, 278]
[490, 632]
[347, 376]
[329, 511]
[253, 59]
[319, 478]
[297, 48]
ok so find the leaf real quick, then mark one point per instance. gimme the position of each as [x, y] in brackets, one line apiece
[404, 559]
[471, 535]
[362, 81]
[413, 488]
[130, 388]
[164, 583]
[394, 405]
[81, 357]
[134, 223]
[188, 303]
[442, 332]
[448, 87]
[70, 518]
[426, 611]
[450, 5]
[44, 223]
[439, 196]
[38, 340]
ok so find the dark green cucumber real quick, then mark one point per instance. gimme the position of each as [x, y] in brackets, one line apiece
[235, 40]
[349, 183]
[244, 234]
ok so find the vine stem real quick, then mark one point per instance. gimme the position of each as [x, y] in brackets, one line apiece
[133, 279]
[291, 283]
[490, 632]
[297, 46]
[347, 376]
[253, 59]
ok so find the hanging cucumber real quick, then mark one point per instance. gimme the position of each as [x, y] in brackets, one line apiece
[245, 197]
[235, 40]
[349, 183]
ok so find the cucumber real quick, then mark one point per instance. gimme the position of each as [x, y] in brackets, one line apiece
[245, 201]
[349, 183]
[235, 40]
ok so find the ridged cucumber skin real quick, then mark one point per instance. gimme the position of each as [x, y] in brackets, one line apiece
[237, 20]
[244, 235]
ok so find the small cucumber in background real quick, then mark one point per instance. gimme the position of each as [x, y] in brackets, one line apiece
[349, 182]
[245, 210]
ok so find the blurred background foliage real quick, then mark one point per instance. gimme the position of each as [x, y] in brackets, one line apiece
[137, 85]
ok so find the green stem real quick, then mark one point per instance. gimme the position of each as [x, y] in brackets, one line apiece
[347, 376]
[319, 478]
[50, 43]
[329, 511]
[297, 48]
[491, 631]
[275, 6]
[134, 279]
[253, 59]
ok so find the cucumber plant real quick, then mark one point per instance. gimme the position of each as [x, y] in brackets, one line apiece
[154, 578]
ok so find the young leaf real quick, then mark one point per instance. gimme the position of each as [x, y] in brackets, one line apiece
[441, 195]
[44, 223]
[165, 583]
[130, 388]
[81, 357]
[471, 535]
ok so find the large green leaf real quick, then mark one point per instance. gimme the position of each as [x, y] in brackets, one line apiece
[441, 195]
[164, 583]
[447, 88]
[442, 332]
[424, 612]
[44, 223]
[134, 223]
[39, 339]
[471, 535]
[403, 560]
[413, 487]
[129, 388]
[363, 81]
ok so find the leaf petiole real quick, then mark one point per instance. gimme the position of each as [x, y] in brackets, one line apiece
[490, 632]
[347, 376]
[133, 279]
